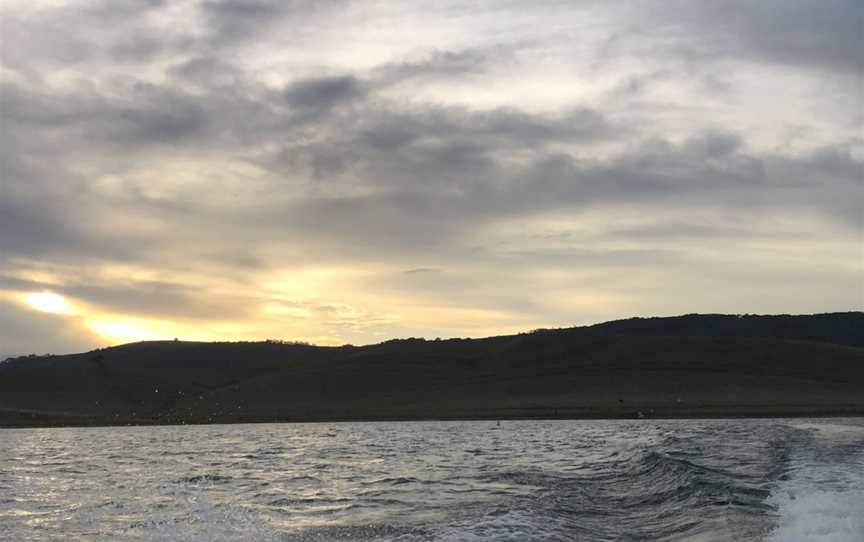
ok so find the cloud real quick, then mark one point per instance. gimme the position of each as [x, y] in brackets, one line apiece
[158, 298]
[421, 270]
[434, 191]
[442, 65]
[146, 298]
[24, 331]
[318, 95]
[238, 22]
[259, 138]
[826, 36]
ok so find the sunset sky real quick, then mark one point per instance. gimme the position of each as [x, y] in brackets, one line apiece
[346, 172]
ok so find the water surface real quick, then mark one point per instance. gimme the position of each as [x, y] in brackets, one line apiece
[776, 480]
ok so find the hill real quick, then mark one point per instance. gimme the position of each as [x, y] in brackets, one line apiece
[693, 365]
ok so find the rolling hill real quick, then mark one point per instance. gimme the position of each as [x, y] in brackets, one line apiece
[686, 366]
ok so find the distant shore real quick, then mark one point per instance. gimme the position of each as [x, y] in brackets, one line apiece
[712, 366]
[9, 420]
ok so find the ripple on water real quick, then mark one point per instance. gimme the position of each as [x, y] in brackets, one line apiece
[659, 480]
[206, 479]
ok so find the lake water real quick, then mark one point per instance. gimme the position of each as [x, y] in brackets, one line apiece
[775, 480]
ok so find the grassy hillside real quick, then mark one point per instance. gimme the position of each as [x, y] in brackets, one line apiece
[748, 366]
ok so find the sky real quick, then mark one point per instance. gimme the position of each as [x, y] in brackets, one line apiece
[348, 172]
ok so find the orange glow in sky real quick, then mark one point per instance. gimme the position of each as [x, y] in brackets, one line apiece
[48, 302]
[121, 331]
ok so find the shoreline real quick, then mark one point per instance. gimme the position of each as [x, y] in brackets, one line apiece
[718, 414]
[633, 370]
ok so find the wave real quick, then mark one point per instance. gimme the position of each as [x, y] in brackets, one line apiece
[640, 494]
[671, 481]
[814, 515]
[823, 500]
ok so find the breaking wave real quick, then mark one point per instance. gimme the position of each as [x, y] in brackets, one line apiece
[823, 501]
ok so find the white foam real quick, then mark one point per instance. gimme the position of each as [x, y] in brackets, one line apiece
[823, 499]
[808, 514]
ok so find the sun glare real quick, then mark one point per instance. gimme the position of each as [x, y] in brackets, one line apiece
[121, 331]
[48, 302]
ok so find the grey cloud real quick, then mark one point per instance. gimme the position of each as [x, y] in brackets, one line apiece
[442, 64]
[156, 298]
[122, 37]
[508, 126]
[663, 231]
[207, 72]
[826, 35]
[164, 123]
[597, 259]
[147, 114]
[351, 172]
[433, 146]
[28, 229]
[517, 126]
[716, 144]
[433, 199]
[24, 331]
[243, 258]
[256, 10]
[422, 270]
[116, 31]
[635, 84]
[15, 283]
[424, 172]
[36, 228]
[151, 298]
[141, 46]
[322, 93]
[230, 22]
[119, 9]
[836, 162]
